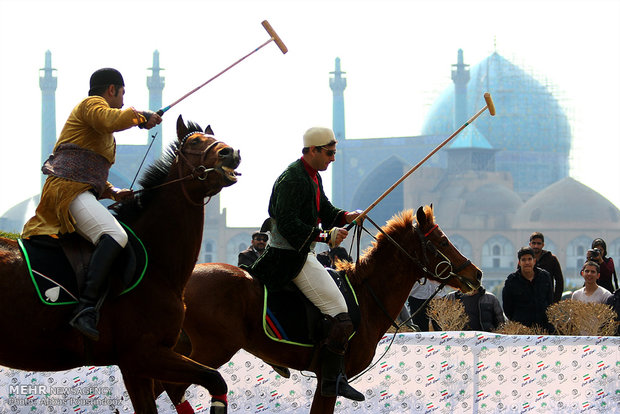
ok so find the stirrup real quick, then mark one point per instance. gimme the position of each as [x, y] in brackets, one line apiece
[342, 389]
[86, 321]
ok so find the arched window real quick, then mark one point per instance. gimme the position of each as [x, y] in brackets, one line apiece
[498, 253]
[236, 244]
[207, 252]
[575, 257]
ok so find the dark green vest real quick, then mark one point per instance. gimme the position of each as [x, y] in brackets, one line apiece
[293, 206]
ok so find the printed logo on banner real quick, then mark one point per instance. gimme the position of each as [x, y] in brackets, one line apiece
[587, 351]
[228, 368]
[527, 351]
[430, 351]
[449, 351]
[405, 350]
[485, 352]
[448, 380]
[498, 367]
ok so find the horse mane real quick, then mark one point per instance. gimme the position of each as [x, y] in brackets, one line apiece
[153, 176]
[398, 223]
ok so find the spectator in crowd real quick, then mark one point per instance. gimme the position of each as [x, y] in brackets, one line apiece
[547, 260]
[528, 292]
[483, 309]
[606, 264]
[256, 248]
[339, 253]
[614, 302]
[405, 317]
[324, 259]
[328, 257]
[591, 292]
[418, 295]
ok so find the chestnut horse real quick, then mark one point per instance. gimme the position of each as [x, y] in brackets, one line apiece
[140, 328]
[225, 302]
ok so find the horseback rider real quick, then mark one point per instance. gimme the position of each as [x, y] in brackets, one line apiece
[77, 173]
[298, 206]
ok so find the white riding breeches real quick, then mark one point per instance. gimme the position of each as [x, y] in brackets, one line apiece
[318, 286]
[92, 220]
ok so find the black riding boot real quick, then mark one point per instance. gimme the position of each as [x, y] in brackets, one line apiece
[333, 379]
[87, 315]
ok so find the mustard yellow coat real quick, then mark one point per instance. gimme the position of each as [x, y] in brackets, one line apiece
[89, 126]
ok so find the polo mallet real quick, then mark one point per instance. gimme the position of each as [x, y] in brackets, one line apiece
[274, 37]
[490, 106]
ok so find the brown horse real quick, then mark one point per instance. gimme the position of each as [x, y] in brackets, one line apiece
[225, 302]
[140, 328]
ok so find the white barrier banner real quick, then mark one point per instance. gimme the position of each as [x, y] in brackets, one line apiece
[430, 372]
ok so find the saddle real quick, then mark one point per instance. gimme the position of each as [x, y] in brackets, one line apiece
[290, 317]
[58, 266]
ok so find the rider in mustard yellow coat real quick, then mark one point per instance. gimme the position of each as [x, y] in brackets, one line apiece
[77, 173]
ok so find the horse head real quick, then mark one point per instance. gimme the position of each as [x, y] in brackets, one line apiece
[440, 259]
[199, 155]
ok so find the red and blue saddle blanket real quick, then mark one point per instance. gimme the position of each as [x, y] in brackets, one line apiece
[57, 266]
[290, 317]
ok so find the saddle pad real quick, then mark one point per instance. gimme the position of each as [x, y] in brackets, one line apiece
[289, 317]
[54, 278]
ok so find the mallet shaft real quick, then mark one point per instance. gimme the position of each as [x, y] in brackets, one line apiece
[274, 37]
[488, 100]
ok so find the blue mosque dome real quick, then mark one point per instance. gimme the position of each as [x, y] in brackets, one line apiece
[530, 131]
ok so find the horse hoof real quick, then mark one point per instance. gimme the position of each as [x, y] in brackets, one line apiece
[218, 407]
[184, 408]
[284, 372]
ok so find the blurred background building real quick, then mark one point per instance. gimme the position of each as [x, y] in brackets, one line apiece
[498, 181]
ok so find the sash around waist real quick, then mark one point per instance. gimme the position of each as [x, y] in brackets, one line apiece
[75, 163]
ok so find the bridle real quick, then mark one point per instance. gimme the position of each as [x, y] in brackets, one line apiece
[197, 172]
[443, 269]
[443, 272]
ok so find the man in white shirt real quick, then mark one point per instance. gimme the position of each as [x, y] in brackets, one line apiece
[591, 292]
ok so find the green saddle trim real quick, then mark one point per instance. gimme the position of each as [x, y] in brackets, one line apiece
[271, 335]
[128, 289]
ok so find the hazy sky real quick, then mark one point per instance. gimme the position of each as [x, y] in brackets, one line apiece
[397, 56]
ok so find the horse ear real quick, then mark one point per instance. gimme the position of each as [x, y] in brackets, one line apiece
[182, 130]
[208, 130]
[421, 216]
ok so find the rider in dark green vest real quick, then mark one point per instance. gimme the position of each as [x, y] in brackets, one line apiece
[301, 215]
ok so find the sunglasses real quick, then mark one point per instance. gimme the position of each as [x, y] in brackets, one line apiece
[329, 153]
[264, 239]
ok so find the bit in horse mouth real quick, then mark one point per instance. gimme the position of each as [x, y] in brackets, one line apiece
[229, 173]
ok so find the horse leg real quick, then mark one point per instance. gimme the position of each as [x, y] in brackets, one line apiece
[320, 404]
[176, 393]
[140, 392]
[165, 365]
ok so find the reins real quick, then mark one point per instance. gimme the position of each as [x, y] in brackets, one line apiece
[199, 172]
[425, 245]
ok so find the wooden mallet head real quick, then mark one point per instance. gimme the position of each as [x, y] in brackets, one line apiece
[274, 36]
[490, 104]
